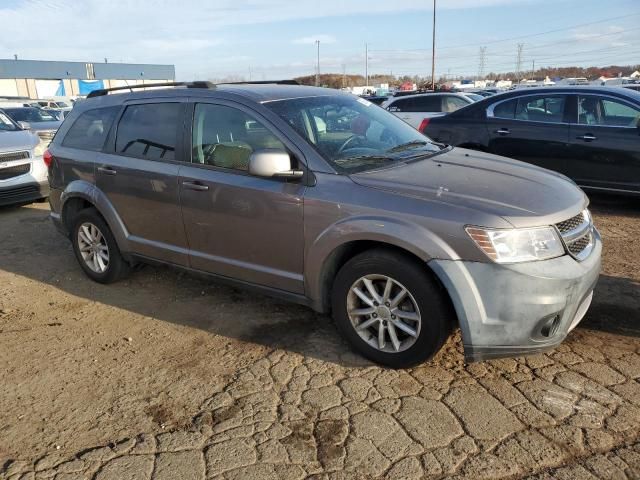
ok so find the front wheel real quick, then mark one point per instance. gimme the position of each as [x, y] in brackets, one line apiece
[390, 309]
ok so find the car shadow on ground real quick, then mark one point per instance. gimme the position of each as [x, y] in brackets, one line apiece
[32, 248]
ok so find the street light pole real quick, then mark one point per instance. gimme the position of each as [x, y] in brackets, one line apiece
[366, 65]
[318, 64]
[433, 51]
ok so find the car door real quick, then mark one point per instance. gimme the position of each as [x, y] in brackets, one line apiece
[241, 226]
[605, 143]
[139, 176]
[531, 128]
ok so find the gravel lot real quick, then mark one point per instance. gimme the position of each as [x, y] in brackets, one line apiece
[167, 376]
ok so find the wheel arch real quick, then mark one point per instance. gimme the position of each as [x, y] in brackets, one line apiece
[80, 195]
[335, 247]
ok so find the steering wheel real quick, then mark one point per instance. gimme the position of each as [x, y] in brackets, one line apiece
[349, 141]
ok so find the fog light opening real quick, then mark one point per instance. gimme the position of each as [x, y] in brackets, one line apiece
[550, 327]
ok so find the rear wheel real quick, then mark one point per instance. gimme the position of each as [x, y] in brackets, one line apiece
[390, 309]
[96, 248]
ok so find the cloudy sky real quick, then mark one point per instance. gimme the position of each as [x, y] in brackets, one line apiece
[276, 38]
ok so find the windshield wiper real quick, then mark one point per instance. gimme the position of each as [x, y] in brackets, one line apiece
[404, 146]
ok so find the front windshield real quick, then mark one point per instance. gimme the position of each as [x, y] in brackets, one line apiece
[31, 115]
[353, 134]
[61, 105]
[6, 125]
[474, 96]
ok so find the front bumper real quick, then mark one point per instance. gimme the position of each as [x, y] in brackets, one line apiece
[519, 309]
[23, 193]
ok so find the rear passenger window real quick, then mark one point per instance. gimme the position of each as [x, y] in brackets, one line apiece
[90, 129]
[541, 108]
[506, 109]
[149, 131]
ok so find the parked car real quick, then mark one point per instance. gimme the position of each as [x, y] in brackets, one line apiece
[23, 174]
[590, 134]
[399, 238]
[413, 109]
[473, 96]
[43, 123]
[377, 99]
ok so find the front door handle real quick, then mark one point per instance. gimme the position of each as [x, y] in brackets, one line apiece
[503, 131]
[107, 170]
[587, 137]
[197, 186]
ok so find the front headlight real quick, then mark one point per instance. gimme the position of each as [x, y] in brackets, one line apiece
[40, 148]
[517, 245]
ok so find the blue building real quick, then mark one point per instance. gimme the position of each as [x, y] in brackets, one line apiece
[47, 79]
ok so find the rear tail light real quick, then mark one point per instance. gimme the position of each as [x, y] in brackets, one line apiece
[423, 125]
[47, 157]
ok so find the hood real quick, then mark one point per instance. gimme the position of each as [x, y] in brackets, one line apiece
[17, 140]
[522, 194]
[51, 125]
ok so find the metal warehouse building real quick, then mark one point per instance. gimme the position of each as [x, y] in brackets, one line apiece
[44, 79]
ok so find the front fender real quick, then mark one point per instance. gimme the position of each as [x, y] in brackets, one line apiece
[89, 192]
[408, 236]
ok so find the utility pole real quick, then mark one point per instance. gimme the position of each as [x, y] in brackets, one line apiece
[433, 50]
[519, 61]
[483, 62]
[533, 69]
[318, 64]
[366, 65]
[344, 75]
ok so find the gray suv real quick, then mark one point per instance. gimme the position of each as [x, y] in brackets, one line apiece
[322, 198]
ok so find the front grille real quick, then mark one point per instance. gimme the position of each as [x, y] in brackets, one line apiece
[46, 135]
[577, 247]
[577, 235]
[11, 156]
[571, 224]
[14, 171]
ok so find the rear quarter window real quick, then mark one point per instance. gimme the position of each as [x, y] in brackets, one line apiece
[90, 129]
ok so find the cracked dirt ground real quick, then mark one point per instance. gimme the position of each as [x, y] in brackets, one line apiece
[164, 376]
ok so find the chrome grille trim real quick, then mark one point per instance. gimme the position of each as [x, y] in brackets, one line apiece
[577, 235]
[12, 156]
[9, 173]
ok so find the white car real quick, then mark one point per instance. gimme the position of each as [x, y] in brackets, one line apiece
[23, 173]
[413, 109]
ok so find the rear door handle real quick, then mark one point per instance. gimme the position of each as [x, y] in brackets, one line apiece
[107, 170]
[587, 137]
[197, 186]
[503, 131]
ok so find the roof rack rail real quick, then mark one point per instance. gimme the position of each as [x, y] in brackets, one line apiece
[105, 91]
[263, 82]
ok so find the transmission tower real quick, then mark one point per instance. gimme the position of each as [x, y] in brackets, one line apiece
[519, 61]
[483, 62]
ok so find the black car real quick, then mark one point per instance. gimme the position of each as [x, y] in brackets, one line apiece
[591, 134]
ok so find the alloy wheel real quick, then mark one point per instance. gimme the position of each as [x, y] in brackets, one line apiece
[384, 313]
[93, 247]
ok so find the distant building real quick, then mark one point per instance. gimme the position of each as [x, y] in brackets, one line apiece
[47, 79]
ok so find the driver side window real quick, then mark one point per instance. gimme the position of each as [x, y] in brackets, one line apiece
[226, 137]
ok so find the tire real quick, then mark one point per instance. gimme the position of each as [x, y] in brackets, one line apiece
[425, 297]
[115, 267]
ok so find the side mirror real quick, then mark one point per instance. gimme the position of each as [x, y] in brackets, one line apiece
[25, 125]
[272, 163]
